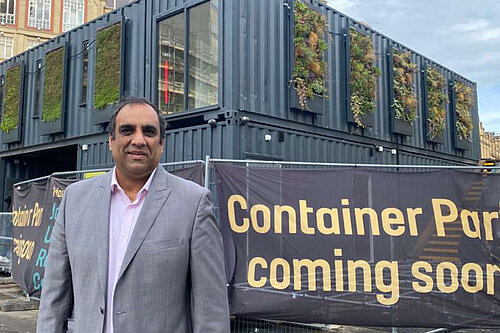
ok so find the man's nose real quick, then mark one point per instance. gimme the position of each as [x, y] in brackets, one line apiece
[138, 138]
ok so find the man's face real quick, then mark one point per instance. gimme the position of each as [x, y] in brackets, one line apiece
[136, 147]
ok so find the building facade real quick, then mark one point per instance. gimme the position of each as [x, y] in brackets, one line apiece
[27, 23]
[490, 144]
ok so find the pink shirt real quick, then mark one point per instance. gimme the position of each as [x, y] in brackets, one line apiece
[122, 218]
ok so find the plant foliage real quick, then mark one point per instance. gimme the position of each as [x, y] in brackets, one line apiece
[310, 70]
[404, 103]
[436, 99]
[107, 69]
[53, 85]
[364, 74]
[10, 116]
[463, 104]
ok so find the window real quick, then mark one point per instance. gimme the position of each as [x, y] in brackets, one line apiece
[38, 80]
[33, 42]
[7, 11]
[6, 47]
[85, 72]
[39, 14]
[73, 11]
[193, 84]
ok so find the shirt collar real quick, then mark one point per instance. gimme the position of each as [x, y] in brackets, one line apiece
[115, 185]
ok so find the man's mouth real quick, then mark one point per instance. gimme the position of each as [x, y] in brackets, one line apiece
[137, 154]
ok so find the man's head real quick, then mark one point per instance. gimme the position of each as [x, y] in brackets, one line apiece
[136, 138]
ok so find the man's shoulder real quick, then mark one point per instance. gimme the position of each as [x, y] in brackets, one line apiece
[88, 184]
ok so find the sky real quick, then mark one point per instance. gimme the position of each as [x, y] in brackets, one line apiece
[462, 35]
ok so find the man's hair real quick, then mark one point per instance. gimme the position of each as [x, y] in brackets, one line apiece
[136, 100]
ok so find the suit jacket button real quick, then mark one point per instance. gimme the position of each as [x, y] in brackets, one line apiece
[101, 309]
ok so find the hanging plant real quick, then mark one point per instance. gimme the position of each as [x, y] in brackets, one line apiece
[463, 104]
[310, 69]
[436, 101]
[10, 116]
[404, 103]
[107, 69]
[53, 85]
[364, 74]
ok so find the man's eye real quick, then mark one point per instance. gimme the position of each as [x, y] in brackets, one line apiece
[125, 131]
[150, 132]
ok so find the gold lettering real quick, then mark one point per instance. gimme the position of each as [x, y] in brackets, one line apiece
[292, 219]
[426, 279]
[232, 216]
[392, 287]
[359, 217]
[441, 219]
[304, 223]
[251, 272]
[390, 217]
[266, 218]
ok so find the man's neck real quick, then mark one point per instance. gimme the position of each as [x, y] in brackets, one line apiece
[131, 186]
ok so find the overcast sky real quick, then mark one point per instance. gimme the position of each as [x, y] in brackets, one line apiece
[462, 35]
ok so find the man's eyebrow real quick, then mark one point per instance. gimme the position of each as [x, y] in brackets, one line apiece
[126, 126]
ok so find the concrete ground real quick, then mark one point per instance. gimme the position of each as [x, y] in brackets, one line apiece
[18, 321]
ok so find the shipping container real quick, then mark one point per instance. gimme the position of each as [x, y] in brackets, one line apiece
[229, 76]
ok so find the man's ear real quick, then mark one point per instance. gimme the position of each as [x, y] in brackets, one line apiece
[110, 143]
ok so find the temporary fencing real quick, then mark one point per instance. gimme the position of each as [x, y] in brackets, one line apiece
[208, 178]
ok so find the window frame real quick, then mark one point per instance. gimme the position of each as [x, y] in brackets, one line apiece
[184, 9]
[69, 10]
[36, 20]
[5, 38]
[13, 15]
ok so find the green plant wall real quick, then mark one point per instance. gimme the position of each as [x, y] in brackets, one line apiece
[53, 85]
[10, 116]
[364, 74]
[463, 103]
[436, 103]
[107, 69]
[310, 69]
[405, 102]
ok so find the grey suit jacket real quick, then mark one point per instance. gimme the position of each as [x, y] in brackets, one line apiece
[172, 278]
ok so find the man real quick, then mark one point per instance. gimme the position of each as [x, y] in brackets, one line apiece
[137, 249]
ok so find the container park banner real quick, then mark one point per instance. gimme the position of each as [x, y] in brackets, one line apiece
[362, 247]
[35, 207]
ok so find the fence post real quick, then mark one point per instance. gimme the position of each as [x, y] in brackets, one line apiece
[207, 169]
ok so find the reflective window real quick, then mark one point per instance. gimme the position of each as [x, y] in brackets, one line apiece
[6, 47]
[200, 79]
[73, 12]
[171, 66]
[7, 11]
[39, 14]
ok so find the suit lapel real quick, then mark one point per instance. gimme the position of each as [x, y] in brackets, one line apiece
[155, 199]
[99, 214]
